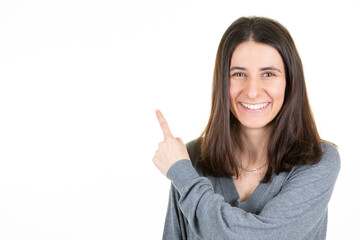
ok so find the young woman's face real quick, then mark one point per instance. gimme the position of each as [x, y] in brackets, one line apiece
[257, 84]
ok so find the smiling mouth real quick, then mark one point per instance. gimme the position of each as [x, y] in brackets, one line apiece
[255, 106]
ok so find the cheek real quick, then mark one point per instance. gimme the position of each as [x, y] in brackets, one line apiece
[278, 93]
[233, 91]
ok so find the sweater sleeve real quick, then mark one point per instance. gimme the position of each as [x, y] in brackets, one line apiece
[175, 227]
[292, 214]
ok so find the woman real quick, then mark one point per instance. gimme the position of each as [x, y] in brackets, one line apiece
[259, 170]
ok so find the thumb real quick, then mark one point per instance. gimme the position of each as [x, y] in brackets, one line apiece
[179, 140]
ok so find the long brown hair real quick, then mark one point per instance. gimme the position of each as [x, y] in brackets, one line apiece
[294, 139]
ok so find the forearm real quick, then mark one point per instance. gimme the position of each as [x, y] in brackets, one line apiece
[210, 217]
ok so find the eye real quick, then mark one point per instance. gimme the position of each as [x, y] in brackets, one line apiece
[269, 74]
[238, 74]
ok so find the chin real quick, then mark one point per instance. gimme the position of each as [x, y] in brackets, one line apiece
[253, 125]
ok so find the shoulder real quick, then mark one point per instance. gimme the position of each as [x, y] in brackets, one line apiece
[191, 147]
[194, 153]
[331, 157]
[327, 169]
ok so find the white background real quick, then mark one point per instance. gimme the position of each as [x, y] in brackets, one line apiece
[79, 84]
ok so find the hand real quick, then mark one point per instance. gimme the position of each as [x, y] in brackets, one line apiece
[170, 150]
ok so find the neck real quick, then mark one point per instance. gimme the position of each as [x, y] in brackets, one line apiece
[255, 142]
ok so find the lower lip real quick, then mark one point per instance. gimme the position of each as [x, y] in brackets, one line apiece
[255, 110]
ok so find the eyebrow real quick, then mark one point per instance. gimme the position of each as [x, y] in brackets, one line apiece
[262, 69]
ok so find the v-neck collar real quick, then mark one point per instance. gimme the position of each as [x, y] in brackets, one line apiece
[231, 195]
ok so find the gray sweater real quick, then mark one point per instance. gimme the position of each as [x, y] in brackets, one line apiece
[292, 205]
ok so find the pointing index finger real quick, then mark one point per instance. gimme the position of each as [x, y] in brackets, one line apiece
[163, 124]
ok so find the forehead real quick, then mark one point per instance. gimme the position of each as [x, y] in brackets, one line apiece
[256, 55]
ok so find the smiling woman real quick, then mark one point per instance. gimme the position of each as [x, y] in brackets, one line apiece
[257, 84]
[260, 169]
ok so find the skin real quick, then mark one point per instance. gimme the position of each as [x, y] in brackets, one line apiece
[257, 76]
[170, 150]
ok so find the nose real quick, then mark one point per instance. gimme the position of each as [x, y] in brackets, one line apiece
[253, 88]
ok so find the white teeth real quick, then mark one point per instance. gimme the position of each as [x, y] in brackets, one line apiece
[255, 107]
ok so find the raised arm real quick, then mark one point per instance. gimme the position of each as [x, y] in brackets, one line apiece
[292, 214]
